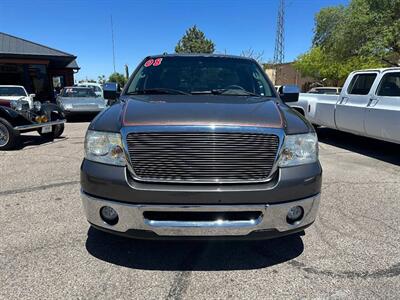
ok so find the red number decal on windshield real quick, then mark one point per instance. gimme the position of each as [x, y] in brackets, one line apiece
[149, 63]
[157, 62]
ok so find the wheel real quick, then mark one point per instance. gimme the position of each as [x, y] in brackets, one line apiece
[57, 131]
[8, 136]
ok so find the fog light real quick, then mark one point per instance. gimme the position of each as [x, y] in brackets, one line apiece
[295, 214]
[109, 215]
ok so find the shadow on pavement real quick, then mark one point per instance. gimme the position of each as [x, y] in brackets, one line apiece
[34, 140]
[192, 255]
[81, 118]
[385, 151]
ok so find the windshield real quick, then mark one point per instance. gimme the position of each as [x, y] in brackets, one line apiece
[78, 92]
[95, 88]
[12, 91]
[200, 75]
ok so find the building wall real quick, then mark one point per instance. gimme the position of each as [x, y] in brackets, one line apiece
[35, 75]
[286, 74]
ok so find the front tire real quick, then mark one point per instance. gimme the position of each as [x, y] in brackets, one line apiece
[9, 137]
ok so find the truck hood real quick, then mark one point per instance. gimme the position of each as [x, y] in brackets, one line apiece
[201, 110]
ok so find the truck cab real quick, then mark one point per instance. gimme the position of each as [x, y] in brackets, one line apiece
[368, 105]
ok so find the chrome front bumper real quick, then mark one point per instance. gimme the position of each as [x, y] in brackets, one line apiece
[273, 217]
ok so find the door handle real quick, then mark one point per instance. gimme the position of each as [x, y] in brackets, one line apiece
[372, 102]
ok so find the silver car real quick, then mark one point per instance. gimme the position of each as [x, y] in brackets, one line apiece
[80, 100]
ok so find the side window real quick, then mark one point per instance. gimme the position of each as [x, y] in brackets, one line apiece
[361, 84]
[390, 85]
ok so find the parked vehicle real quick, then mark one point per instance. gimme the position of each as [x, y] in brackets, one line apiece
[80, 100]
[97, 88]
[200, 146]
[15, 92]
[17, 117]
[369, 105]
[326, 90]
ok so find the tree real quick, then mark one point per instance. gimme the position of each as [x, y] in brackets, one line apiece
[194, 41]
[118, 78]
[326, 21]
[320, 65]
[87, 80]
[370, 28]
[250, 53]
[101, 79]
[365, 34]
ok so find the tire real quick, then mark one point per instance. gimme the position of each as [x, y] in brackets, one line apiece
[57, 131]
[9, 138]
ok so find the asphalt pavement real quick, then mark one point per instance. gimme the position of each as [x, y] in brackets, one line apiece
[48, 251]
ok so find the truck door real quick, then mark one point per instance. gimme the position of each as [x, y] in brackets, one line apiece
[352, 103]
[382, 118]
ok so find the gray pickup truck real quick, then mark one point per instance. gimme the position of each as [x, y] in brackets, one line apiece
[200, 146]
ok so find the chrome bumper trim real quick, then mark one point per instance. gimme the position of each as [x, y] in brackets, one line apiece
[39, 125]
[131, 217]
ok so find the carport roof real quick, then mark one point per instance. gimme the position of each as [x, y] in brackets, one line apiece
[16, 46]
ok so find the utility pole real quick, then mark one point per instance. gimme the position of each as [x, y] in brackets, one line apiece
[279, 53]
[112, 40]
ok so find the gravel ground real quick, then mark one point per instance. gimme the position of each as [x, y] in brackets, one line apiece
[47, 249]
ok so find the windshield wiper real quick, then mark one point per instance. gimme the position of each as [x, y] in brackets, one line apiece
[231, 92]
[158, 91]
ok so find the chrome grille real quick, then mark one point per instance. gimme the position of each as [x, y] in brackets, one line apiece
[202, 157]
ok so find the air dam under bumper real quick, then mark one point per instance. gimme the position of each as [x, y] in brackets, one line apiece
[272, 218]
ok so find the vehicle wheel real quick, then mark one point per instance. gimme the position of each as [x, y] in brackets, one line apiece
[8, 136]
[56, 133]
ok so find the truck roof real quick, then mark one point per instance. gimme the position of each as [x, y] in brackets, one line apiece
[199, 55]
[380, 70]
[20, 86]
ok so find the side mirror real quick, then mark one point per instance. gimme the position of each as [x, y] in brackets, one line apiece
[32, 95]
[111, 91]
[289, 93]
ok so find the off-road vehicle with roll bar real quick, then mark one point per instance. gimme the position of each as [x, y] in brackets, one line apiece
[200, 146]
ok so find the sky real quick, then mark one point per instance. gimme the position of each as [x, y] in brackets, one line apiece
[141, 28]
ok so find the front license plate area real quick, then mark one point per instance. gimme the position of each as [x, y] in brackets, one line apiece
[46, 129]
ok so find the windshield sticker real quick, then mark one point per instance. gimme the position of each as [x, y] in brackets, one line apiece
[149, 63]
[157, 62]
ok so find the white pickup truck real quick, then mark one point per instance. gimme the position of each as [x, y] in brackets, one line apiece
[368, 105]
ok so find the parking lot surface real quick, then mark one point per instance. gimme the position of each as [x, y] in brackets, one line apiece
[48, 250]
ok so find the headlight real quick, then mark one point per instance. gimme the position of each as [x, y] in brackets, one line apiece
[299, 149]
[16, 104]
[104, 147]
[37, 105]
